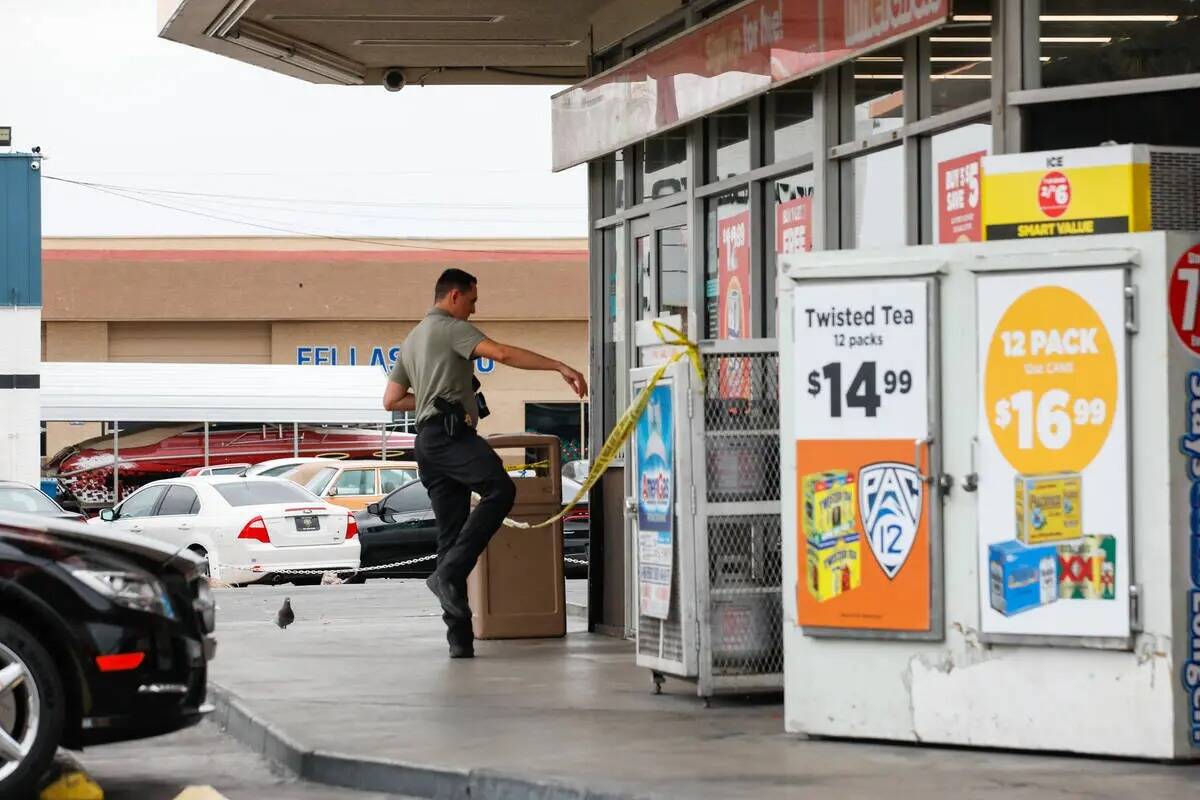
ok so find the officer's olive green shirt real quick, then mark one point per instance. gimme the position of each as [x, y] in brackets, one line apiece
[435, 361]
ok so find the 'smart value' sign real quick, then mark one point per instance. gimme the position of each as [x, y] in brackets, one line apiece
[1067, 193]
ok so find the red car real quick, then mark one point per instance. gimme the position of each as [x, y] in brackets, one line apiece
[152, 452]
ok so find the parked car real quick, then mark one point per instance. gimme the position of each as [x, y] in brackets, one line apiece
[154, 452]
[17, 496]
[402, 527]
[356, 484]
[279, 467]
[224, 469]
[104, 637]
[246, 528]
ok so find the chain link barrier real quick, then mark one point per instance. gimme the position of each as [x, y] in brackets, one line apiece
[259, 569]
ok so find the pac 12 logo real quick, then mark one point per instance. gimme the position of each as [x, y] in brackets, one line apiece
[890, 494]
[1190, 445]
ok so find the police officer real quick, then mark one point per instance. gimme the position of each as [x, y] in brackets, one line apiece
[433, 377]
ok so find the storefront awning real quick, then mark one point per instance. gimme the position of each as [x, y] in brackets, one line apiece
[98, 392]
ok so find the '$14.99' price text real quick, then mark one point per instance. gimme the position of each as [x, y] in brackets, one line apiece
[863, 391]
[1051, 418]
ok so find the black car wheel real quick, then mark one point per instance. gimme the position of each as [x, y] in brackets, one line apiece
[32, 709]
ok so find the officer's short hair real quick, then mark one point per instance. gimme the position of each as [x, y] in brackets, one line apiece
[453, 279]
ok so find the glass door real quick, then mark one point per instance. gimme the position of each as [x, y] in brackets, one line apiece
[660, 262]
[658, 255]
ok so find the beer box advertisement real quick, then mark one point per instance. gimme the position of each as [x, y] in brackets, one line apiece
[834, 567]
[859, 406]
[1022, 578]
[1049, 508]
[1087, 569]
[1053, 457]
[828, 505]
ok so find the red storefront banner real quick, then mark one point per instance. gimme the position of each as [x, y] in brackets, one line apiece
[793, 226]
[733, 300]
[741, 53]
[959, 193]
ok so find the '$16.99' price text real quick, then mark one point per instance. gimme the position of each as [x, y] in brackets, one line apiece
[863, 391]
[1051, 419]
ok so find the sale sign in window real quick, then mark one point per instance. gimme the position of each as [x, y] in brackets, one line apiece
[959, 193]
[862, 422]
[1053, 454]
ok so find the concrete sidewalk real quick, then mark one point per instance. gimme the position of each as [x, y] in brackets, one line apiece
[359, 692]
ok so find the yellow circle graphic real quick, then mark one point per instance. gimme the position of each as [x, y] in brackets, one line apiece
[1050, 383]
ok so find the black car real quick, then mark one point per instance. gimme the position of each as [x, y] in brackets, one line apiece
[17, 496]
[401, 527]
[104, 637]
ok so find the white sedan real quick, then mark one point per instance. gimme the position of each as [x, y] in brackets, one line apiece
[247, 528]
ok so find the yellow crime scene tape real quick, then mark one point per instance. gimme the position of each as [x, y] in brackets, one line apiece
[624, 427]
[523, 467]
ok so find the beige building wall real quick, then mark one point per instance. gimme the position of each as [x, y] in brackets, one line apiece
[239, 301]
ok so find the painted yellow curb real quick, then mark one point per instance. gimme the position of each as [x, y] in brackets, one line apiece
[73, 786]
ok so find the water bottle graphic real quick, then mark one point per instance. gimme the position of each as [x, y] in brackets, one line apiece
[656, 469]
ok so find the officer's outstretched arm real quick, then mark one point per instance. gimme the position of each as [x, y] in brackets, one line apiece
[397, 397]
[521, 358]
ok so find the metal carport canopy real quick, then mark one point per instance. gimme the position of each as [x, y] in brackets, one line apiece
[272, 393]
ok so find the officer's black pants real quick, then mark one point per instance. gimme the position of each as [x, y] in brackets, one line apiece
[451, 469]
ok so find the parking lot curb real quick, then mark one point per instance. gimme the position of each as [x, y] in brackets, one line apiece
[365, 774]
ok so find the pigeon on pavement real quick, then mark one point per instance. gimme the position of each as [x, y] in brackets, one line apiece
[285, 616]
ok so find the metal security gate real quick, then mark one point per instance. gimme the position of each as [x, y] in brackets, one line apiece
[724, 629]
[737, 520]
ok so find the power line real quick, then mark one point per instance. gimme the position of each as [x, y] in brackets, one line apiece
[298, 200]
[279, 229]
[212, 204]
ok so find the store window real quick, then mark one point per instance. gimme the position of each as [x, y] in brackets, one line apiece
[1094, 41]
[878, 92]
[727, 285]
[662, 165]
[612, 179]
[673, 273]
[612, 242]
[1162, 118]
[960, 58]
[877, 183]
[729, 143]
[790, 227]
[956, 166]
[791, 129]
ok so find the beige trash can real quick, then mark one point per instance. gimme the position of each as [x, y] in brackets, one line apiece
[517, 589]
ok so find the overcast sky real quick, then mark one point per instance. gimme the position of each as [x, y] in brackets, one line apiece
[111, 103]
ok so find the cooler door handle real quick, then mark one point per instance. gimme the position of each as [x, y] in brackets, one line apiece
[921, 446]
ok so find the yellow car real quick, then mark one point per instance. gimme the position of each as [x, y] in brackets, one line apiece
[353, 484]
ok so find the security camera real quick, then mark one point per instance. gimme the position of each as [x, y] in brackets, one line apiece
[393, 79]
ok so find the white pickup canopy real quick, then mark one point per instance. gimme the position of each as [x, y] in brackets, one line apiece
[115, 392]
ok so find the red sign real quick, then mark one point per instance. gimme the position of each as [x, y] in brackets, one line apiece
[793, 226]
[959, 193]
[733, 278]
[734, 56]
[1054, 194]
[733, 300]
[1183, 295]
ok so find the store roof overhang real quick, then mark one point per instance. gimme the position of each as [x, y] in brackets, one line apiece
[276, 393]
[430, 41]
